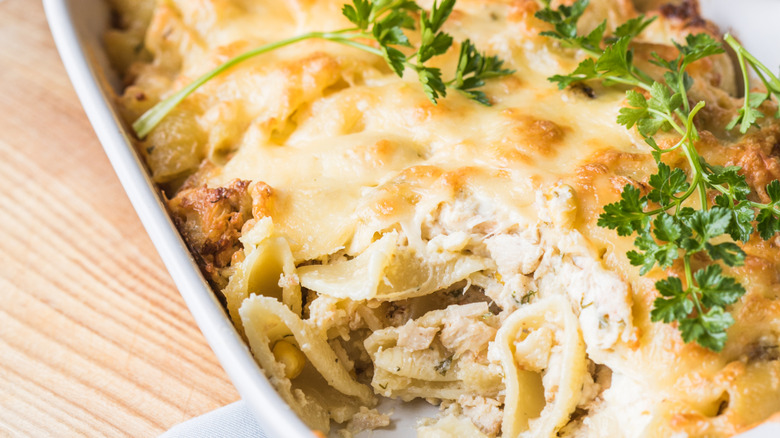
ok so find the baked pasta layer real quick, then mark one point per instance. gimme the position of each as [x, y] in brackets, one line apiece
[384, 246]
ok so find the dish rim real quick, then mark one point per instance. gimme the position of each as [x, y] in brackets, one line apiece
[74, 39]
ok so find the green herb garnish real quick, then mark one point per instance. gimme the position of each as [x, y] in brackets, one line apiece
[443, 366]
[384, 22]
[749, 113]
[668, 223]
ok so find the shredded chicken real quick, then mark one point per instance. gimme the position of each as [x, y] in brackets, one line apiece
[485, 413]
[463, 331]
[414, 337]
[366, 419]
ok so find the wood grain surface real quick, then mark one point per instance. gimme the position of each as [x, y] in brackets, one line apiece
[95, 340]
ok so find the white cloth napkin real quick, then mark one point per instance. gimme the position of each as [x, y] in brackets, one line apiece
[235, 420]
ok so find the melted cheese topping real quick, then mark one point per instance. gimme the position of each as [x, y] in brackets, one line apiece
[371, 210]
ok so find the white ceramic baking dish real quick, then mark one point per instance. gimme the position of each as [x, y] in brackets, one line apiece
[78, 26]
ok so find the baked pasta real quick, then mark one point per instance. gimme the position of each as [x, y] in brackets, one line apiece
[369, 243]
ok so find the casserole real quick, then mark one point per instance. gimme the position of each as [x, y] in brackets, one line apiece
[206, 309]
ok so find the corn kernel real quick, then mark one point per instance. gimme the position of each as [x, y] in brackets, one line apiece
[291, 357]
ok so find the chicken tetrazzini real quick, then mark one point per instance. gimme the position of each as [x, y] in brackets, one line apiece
[369, 243]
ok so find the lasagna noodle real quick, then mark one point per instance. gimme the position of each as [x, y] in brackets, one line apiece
[543, 356]
[391, 272]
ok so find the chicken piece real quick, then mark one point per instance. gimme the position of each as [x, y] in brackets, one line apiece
[485, 413]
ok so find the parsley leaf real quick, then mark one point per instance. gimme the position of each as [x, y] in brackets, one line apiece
[649, 115]
[768, 220]
[698, 46]
[664, 255]
[671, 228]
[749, 114]
[710, 223]
[767, 224]
[675, 305]
[564, 19]
[729, 177]
[395, 59]
[729, 252]
[708, 330]
[717, 290]
[633, 27]
[585, 70]
[666, 184]
[667, 228]
[773, 191]
[473, 69]
[627, 215]
[358, 13]
[633, 114]
[742, 214]
[433, 86]
[713, 291]
[433, 42]
[616, 59]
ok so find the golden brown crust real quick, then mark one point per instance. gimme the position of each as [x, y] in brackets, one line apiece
[211, 220]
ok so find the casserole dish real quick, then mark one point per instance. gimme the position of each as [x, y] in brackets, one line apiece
[78, 28]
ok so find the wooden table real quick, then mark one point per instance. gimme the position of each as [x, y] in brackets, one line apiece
[94, 337]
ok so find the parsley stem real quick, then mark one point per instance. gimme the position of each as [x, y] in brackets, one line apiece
[676, 146]
[703, 194]
[773, 83]
[357, 45]
[746, 81]
[383, 22]
[699, 178]
[378, 12]
[688, 274]
[687, 194]
[669, 119]
[775, 208]
[689, 282]
[154, 115]
[592, 53]
[641, 76]
[635, 82]
[681, 89]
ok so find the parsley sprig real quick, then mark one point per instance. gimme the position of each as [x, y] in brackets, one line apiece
[668, 223]
[749, 113]
[384, 22]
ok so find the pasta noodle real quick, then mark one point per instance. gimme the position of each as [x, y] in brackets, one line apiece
[267, 321]
[543, 356]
